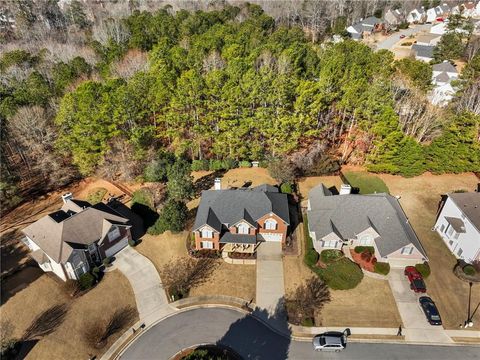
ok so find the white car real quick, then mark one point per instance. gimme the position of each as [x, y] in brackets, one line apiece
[331, 341]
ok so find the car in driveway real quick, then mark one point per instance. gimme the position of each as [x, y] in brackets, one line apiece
[416, 280]
[331, 341]
[430, 310]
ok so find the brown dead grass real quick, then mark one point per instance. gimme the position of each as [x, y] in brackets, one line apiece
[112, 293]
[199, 174]
[231, 280]
[306, 184]
[420, 198]
[466, 340]
[238, 177]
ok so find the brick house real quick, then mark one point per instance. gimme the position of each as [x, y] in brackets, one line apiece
[70, 241]
[236, 220]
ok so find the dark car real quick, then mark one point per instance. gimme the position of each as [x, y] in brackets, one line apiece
[416, 280]
[430, 310]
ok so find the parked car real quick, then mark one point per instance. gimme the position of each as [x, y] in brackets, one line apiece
[416, 280]
[331, 341]
[402, 36]
[430, 310]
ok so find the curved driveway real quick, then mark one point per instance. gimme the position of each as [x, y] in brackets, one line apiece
[253, 340]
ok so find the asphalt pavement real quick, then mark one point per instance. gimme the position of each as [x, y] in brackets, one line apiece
[252, 339]
[390, 41]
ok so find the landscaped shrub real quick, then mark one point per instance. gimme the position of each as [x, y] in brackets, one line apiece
[362, 249]
[107, 261]
[311, 257]
[244, 164]
[229, 164]
[327, 256]
[199, 165]
[215, 165]
[131, 242]
[366, 255]
[382, 268]
[469, 270]
[423, 269]
[286, 188]
[96, 272]
[307, 322]
[86, 281]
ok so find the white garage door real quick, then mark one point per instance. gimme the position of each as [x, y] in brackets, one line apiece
[272, 236]
[117, 247]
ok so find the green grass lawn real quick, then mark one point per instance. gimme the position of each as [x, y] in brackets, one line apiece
[96, 195]
[366, 182]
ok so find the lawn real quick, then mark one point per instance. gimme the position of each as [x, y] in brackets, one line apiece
[306, 184]
[96, 195]
[420, 197]
[113, 292]
[366, 183]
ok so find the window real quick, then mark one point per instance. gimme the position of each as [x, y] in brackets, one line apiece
[407, 250]
[242, 229]
[271, 224]
[450, 242]
[366, 239]
[450, 231]
[442, 228]
[330, 243]
[456, 235]
[206, 244]
[459, 252]
[113, 234]
[207, 233]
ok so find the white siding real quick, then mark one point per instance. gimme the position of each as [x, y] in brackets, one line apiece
[468, 242]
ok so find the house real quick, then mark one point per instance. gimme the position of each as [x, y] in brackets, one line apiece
[458, 224]
[467, 9]
[394, 17]
[443, 73]
[436, 12]
[417, 16]
[441, 95]
[338, 221]
[237, 220]
[70, 241]
[422, 52]
[428, 39]
[365, 27]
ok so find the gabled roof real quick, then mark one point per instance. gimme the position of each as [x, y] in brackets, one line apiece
[352, 214]
[231, 206]
[469, 205]
[457, 224]
[445, 67]
[228, 237]
[423, 50]
[57, 235]
[371, 20]
[442, 77]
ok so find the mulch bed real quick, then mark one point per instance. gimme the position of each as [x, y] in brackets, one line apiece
[366, 265]
[291, 245]
[243, 256]
[462, 276]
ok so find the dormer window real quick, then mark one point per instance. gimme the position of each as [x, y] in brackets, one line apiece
[242, 228]
[113, 234]
[271, 224]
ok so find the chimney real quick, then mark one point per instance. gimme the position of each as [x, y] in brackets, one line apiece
[218, 184]
[66, 197]
[345, 189]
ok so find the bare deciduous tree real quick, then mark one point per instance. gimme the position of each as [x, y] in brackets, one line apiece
[111, 29]
[133, 62]
[46, 323]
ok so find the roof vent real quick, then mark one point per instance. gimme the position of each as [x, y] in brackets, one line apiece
[345, 189]
[218, 184]
[66, 197]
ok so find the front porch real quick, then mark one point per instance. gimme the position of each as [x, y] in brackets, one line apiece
[240, 248]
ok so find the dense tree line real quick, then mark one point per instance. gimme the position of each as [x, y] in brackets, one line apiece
[230, 84]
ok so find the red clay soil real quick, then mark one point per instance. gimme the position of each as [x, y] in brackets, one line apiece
[367, 265]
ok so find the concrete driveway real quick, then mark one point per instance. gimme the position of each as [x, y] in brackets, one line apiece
[143, 277]
[390, 41]
[416, 326]
[270, 282]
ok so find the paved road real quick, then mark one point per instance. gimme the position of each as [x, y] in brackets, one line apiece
[253, 340]
[389, 42]
[414, 321]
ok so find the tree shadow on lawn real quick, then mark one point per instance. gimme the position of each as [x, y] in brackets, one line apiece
[148, 215]
[19, 280]
[254, 340]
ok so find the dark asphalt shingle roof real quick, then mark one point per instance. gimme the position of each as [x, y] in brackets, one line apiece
[371, 20]
[229, 238]
[469, 204]
[423, 50]
[444, 67]
[457, 224]
[231, 206]
[349, 215]
[442, 77]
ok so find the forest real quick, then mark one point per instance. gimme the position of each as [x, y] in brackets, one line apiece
[226, 85]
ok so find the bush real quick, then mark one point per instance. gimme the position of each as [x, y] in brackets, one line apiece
[215, 165]
[199, 165]
[311, 257]
[132, 242]
[172, 217]
[286, 188]
[382, 268]
[86, 281]
[366, 255]
[307, 322]
[362, 249]
[423, 269]
[469, 270]
[330, 255]
[244, 164]
[107, 261]
[96, 272]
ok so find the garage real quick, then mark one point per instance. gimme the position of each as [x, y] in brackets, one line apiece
[272, 236]
[117, 247]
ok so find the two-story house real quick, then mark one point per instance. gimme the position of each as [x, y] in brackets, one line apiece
[68, 242]
[236, 220]
[377, 220]
[458, 224]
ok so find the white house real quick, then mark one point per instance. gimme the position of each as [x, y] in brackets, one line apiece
[440, 11]
[68, 242]
[417, 16]
[428, 39]
[377, 220]
[394, 17]
[467, 9]
[443, 73]
[458, 224]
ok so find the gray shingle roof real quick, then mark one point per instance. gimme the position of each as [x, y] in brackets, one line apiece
[423, 50]
[231, 206]
[238, 238]
[349, 215]
[442, 77]
[469, 204]
[457, 224]
[444, 66]
[371, 20]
